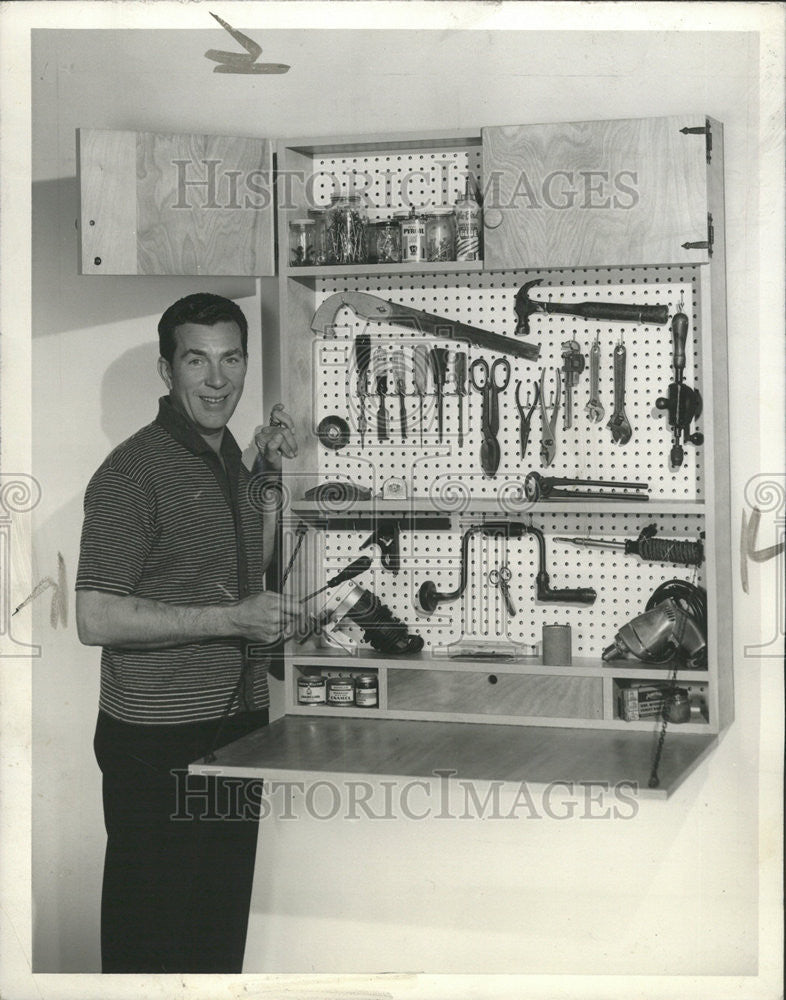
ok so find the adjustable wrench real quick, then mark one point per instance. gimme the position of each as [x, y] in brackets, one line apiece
[618, 423]
[594, 408]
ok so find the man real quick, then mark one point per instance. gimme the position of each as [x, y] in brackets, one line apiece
[171, 585]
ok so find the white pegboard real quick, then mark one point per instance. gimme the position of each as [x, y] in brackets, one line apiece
[486, 300]
[624, 583]
[395, 182]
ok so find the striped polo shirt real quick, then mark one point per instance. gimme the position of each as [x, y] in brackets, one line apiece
[165, 521]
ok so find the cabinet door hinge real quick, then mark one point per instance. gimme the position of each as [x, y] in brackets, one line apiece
[699, 130]
[704, 244]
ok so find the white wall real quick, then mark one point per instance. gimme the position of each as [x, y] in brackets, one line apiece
[674, 889]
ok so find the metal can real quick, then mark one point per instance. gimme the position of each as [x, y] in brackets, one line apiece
[413, 237]
[311, 689]
[366, 691]
[340, 691]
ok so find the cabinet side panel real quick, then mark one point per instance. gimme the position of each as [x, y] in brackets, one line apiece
[720, 580]
[204, 205]
[107, 213]
[594, 193]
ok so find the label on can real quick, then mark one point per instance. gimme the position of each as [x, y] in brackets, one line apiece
[366, 698]
[367, 691]
[311, 690]
[413, 239]
[340, 691]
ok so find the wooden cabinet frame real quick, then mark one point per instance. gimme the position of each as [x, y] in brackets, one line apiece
[571, 708]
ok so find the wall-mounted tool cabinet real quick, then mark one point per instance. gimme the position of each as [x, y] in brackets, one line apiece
[627, 212]
[153, 203]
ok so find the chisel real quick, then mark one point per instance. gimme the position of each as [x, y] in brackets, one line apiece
[438, 360]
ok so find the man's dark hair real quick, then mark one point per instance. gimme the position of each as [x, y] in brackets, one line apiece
[203, 308]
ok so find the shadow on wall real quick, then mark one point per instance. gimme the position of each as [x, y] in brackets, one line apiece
[130, 390]
[63, 300]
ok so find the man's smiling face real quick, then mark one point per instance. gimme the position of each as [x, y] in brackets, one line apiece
[206, 376]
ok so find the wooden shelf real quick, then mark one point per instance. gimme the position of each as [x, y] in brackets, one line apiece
[407, 267]
[431, 660]
[423, 506]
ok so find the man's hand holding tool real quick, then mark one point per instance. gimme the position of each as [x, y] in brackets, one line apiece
[277, 440]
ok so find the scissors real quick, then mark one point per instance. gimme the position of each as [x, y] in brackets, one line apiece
[500, 578]
[525, 417]
[490, 381]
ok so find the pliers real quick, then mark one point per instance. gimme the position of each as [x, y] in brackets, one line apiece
[525, 418]
[548, 427]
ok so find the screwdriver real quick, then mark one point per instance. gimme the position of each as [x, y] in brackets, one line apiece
[399, 364]
[380, 366]
[420, 366]
[354, 569]
[362, 359]
[460, 369]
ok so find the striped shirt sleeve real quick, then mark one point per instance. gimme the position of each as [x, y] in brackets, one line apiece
[117, 534]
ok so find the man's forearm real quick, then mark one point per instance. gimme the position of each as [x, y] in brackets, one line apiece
[139, 623]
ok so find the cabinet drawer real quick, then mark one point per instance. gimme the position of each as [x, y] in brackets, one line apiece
[490, 693]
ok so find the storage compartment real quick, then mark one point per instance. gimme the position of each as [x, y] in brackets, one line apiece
[495, 692]
[641, 700]
[577, 194]
[323, 689]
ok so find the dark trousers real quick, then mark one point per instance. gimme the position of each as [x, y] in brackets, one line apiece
[180, 848]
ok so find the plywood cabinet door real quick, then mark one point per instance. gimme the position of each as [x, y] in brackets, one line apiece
[154, 203]
[606, 193]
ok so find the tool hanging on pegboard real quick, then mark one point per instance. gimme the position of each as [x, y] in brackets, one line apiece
[619, 425]
[460, 376]
[362, 362]
[572, 367]
[490, 381]
[548, 424]
[438, 361]
[648, 547]
[381, 376]
[374, 308]
[683, 404]
[594, 408]
[429, 597]
[537, 487]
[628, 312]
[525, 415]
[420, 369]
[399, 364]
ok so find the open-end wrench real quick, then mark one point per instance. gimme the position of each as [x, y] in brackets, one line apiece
[594, 408]
[618, 423]
[548, 426]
